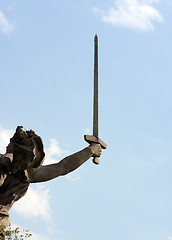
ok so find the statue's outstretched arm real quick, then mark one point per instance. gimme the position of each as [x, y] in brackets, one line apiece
[65, 166]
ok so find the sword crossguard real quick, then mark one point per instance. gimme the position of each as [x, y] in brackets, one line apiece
[91, 139]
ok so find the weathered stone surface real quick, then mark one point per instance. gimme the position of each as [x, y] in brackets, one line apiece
[22, 165]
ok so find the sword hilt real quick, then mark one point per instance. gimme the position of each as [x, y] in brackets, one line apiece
[91, 139]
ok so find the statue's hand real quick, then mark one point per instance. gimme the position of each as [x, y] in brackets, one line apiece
[96, 150]
[6, 163]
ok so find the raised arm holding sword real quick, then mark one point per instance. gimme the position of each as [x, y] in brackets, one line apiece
[22, 162]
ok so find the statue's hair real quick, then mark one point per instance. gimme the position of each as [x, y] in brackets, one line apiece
[26, 146]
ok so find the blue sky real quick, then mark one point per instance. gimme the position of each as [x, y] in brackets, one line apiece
[46, 76]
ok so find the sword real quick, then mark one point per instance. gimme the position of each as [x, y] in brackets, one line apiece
[94, 139]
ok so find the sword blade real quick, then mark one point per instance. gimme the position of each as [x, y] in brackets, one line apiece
[94, 139]
[95, 105]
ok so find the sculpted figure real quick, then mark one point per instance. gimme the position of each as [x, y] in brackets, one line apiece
[22, 165]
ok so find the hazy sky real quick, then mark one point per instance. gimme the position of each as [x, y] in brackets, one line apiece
[46, 77]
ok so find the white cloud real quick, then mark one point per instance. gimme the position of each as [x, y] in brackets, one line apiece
[134, 14]
[169, 238]
[5, 26]
[5, 135]
[53, 152]
[35, 203]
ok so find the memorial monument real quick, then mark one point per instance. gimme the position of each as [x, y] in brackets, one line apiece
[22, 162]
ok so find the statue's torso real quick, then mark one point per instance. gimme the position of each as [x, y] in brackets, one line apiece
[13, 188]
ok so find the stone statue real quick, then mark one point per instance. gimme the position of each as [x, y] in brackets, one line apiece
[22, 165]
[22, 162]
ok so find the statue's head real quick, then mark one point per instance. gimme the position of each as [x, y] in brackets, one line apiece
[27, 149]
